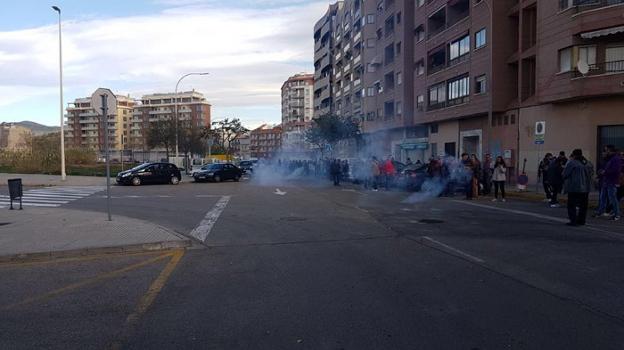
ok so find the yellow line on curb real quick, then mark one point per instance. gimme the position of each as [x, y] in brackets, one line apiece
[15, 264]
[148, 298]
[84, 283]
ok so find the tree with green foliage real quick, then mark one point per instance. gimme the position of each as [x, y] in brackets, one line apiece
[225, 131]
[329, 130]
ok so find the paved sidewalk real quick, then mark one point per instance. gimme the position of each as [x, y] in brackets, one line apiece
[42, 232]
[54, 180]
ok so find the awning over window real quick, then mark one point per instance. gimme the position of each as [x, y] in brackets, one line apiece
[602, 32]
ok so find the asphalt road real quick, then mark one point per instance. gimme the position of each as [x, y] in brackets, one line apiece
[317, 267]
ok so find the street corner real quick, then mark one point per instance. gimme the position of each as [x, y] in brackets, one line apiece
[77, 292]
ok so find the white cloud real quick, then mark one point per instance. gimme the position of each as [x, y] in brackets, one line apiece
[249, 53]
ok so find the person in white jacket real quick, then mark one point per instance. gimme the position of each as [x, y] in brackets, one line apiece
[499, 177]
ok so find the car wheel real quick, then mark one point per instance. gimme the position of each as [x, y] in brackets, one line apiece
[236, 178]
[217, 178]
[136, 181]
[175, 180]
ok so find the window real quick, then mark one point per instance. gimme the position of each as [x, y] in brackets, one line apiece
[370, 19]
[398, 48]
[433, 128]
[614, 57]
[379, 34]
[399, 78]
[459, 48]
[370, 91]
[370, 42]
[419, 33]
[434, 149]
[398, 17]
[420, 2]
[371, 68]
[480, 84]
[565, 60]
[480, 38]
[458, 88]
[565, 4]
[399, 108]
[587, 54]
[389, 26]
[437, 94]
[420, 102]
[420, 67]
[389, 110]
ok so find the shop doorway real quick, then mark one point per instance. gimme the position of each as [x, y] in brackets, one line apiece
[610, 135]
[471, 142]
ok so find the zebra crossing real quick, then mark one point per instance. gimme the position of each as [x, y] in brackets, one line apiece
[52, 197]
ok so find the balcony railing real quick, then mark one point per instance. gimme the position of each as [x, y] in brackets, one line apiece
[584, 5]
[602, 68]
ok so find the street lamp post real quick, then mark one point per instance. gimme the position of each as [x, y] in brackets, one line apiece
[63, 174]
[177, 134]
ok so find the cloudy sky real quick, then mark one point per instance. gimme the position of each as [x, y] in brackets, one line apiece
[143, 46]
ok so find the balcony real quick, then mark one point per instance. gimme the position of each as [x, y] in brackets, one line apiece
[612, 67]
[357, 82]
[584, 5]
[347, 67]
[357, 37]
[357, 60]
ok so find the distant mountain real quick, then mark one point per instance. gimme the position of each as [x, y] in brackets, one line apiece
[39, 129]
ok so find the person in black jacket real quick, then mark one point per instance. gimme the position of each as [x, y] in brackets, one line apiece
[542, 172]
[335, 170]
[555, 180]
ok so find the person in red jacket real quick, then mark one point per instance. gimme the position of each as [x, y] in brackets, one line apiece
[389, 171]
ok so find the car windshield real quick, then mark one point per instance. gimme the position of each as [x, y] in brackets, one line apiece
[213, 167]
[142, 166]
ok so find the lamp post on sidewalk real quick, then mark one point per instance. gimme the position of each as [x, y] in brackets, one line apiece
[177, 134]
[63, 174]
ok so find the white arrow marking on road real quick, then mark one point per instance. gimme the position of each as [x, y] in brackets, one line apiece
[202, 231]
[279, 192]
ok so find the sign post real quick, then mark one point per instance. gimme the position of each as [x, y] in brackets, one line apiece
[103, 101]
[540, 134]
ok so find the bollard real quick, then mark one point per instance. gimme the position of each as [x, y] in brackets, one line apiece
[15, 191]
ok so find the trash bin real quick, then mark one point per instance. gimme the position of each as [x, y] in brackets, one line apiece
[15, 191]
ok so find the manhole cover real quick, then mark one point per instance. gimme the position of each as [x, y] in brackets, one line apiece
[430, 221]
[293, 218]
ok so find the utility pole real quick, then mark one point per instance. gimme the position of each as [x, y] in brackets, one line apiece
[175, 106]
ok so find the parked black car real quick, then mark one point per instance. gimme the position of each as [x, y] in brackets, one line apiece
[246, 166]
[150, 173]
[218, 173]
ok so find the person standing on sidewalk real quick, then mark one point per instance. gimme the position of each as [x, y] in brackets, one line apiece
[542, 172]
[487, 172]
[610, 183]
[468, 174]
[389, 171]
[334, 170]
[555, 180]
[578, 175]
[499, 177]
[476, 177]
[374, 173]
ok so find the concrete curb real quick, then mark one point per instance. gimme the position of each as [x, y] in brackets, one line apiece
[131, 248]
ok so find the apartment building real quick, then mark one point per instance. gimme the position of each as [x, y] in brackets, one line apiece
[577, 86]
[13, 136]
[363, 69]
[86, 129]
[241, 146]
[265, 141]
[193, 110]
[297, 111]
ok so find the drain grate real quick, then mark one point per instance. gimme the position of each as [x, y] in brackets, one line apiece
[430, 221]
[293, 219]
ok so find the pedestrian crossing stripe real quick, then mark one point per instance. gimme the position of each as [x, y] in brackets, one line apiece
[51, 197]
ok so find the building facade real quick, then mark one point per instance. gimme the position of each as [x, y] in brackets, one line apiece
[241, 146]
[297, 111]
[193, 111]
[265, 141]
[479, 73]
[85, 128]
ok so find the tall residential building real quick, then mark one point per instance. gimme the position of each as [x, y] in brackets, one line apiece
[265, 141]
[85, 128]
[193, 110]
[297, 111]
[364, 52]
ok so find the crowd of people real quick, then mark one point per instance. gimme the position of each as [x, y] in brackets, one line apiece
[574, 176]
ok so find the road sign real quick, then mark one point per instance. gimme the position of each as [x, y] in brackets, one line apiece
[111, 101]
[540, 128]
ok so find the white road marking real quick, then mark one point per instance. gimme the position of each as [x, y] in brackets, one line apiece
[202, 231]
[52, 197]
[207, 196]
[279, 192]
[36, 200]
[519, 212]
[28, 204]
[454, 250]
